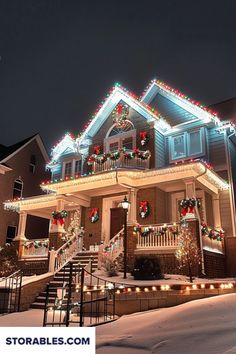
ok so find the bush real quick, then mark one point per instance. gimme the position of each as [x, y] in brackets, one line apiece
[8, 260]
[109, 266]
[147, 268]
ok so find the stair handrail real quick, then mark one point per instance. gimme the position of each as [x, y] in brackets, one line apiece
[58, 258]
[114, 247]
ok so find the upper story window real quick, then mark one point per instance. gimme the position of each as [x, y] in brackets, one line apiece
[32, 164]
[71, 168]
[120, 137]
[17, 188]
[187, 144]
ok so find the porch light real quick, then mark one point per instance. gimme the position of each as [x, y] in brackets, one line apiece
[125, 203]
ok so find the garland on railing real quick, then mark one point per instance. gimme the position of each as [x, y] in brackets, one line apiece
[94, 215]
[213, 234]
[59, 216]
[147, 230]
[129, 155]
[144, 137]
[144, 209]
[36, 244]
[188, 205]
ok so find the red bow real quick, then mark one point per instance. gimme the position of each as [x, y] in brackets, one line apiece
[93, 212]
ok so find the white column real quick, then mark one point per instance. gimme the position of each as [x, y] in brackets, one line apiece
[216, 211]
[60, 205]
[190, 188]
[21, 227]
[132, 214]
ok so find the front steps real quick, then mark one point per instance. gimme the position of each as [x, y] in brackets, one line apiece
[63, 276]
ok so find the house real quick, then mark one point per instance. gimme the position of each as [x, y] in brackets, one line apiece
[22, 167]
[173, 158]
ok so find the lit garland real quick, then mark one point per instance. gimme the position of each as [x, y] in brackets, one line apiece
[36, 244]
[100, 159]
[213, 234]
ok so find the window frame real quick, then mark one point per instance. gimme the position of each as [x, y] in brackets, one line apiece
[73, 162]
[19, 181]
[187, 144]
[119, 139]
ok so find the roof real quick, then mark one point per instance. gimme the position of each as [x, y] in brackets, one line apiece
[226, 109]
[7, 151]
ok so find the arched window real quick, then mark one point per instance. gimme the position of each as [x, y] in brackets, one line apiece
[17, 188]
[120, 137]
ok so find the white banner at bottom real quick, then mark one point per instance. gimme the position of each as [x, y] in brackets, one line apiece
[47, 340]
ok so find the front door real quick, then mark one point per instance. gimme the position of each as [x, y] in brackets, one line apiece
[117, 221]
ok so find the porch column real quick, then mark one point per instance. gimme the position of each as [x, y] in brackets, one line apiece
[21, 227]
[190, 188]
[20, 238]
[216, 211]
[132, 215]
[57, 231]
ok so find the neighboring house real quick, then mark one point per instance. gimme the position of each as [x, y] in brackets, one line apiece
[22, 169]
[159, 150]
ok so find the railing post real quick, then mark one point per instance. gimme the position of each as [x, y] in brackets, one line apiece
[52, 256]
[81, 297]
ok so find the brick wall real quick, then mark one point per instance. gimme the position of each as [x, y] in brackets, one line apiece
[92, 230]
[20, 168]
[214, 265]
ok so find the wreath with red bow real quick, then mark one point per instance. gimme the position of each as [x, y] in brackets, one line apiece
[144, 138]
[59, 217]
[144, 209]
[94, 215]
[188, 205]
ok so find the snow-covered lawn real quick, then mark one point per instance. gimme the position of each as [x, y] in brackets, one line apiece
[202, 326]
[198, 327]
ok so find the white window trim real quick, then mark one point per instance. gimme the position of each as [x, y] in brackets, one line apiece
[119, 138]
[72, 167]
[187, 144]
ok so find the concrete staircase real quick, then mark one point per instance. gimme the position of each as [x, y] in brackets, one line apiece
[63, 276]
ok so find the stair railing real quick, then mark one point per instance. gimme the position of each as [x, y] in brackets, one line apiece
[113, 248]
[58, 258]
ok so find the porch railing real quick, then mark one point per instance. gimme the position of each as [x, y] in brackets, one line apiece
[122, 162]
[60, 257]
[35, 248]
[158, 236]
[212, 245]
[114, 248]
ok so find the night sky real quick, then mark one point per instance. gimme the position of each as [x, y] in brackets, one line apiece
[60, 58]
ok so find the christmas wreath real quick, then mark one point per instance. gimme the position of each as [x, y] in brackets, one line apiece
[144, 138]
[144, 209]
[119, 115]
[94, 215]
[59, 216]
[188, 205]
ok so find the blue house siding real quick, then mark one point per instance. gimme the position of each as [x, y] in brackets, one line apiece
[159, 149]
[173, 113]
[216, 149]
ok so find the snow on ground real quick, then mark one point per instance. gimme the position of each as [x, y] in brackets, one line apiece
[203, 326]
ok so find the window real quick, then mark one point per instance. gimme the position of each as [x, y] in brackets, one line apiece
[17, 188]
[187, 144]
[78, 165]
[127, 143]
[32, 164]
[68, 169]
[120, 137]
[178, 147]
[11, 233]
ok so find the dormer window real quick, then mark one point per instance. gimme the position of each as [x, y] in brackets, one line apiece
[71, 168]
[68, 169]
[187, 144]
